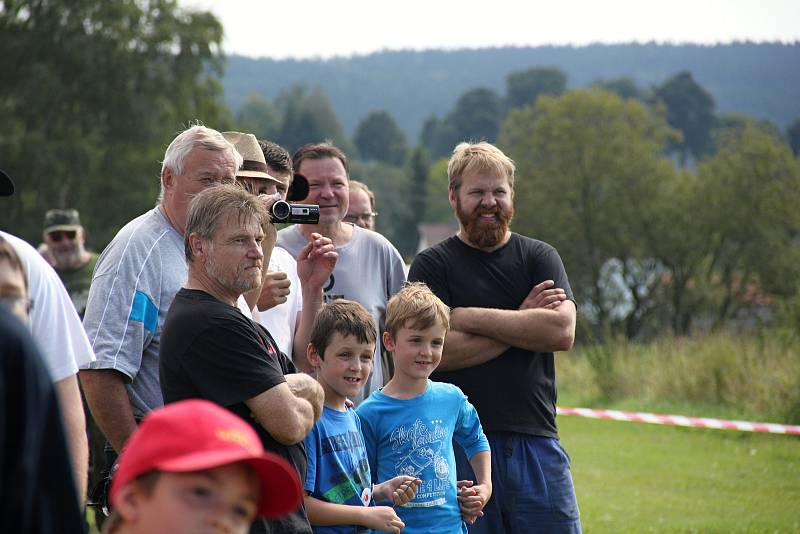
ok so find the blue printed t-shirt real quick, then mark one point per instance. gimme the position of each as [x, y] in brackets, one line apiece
[338, 470]
[415, 437]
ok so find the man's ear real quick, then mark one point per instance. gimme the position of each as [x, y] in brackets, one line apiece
[451, 196]
[388, 341]
[167, 178]
[313, 355]
[198, 246]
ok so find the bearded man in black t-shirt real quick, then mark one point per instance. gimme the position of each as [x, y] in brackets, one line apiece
[210, 350]
[512, 308]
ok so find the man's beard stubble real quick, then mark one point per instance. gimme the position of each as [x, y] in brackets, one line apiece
[69, 259]
[237, 282]
[483, 234]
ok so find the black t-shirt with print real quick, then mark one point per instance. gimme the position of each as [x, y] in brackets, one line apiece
[210, 350]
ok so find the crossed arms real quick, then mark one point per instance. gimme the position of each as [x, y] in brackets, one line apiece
[544, 322]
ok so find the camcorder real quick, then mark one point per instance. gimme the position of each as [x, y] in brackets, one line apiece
[285, 213]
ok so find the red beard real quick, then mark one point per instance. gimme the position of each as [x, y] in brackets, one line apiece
[485, 234]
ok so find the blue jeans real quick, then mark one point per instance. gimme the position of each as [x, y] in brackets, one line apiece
[532, 490]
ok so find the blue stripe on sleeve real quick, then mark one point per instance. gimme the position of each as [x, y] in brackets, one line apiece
[144, 311]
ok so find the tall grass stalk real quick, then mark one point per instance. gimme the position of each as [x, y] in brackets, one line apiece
[753, 376]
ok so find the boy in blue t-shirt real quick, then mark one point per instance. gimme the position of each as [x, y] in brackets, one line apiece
[340, 493]
[410, 424]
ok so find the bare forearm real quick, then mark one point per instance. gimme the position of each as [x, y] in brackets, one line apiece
[69, 399]
[462, 349]
[481, 463]
[312, 302]
[322, 513]
[537, 330]
[108, 400]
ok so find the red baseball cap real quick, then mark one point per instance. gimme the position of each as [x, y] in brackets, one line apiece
[195, 435]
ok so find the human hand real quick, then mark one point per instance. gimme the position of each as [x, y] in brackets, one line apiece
[471, 499]
[274, 291]
[398, 490]
[382, 518]
[316, 261]
[544, 295]
[268, 200]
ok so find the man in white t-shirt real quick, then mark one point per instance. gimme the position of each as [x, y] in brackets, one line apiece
[291, 294]
[369, 268]
[57, 329]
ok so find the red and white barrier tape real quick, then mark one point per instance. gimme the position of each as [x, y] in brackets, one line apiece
[681, 420]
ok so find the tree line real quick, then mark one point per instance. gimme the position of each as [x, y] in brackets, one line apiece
[668, 215]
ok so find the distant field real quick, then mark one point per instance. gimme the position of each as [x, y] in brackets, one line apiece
[633, 477]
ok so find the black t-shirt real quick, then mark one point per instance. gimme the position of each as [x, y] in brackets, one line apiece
[37, 488]
[515, 392]
[209, 350]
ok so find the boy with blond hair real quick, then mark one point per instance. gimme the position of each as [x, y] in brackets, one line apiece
[340, 493]
[410, 424]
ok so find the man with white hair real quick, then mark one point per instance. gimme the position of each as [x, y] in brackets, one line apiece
[135, 281]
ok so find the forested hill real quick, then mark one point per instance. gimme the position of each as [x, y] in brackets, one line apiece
[761, 80]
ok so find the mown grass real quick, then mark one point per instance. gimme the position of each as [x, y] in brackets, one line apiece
[633, 477]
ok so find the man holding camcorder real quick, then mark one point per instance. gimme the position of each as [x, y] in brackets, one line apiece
[369, 269]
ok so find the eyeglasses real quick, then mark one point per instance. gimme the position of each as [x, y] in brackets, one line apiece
[11, 302]
[58, 235]
[355, 217]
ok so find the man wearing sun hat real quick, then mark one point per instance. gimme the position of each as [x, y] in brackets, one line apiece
[193, 466]
[291, 292]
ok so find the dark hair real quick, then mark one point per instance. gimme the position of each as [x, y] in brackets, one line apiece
[319, 151]
[277, 157]
[345, 317]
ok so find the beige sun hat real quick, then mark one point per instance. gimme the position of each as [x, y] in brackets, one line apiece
[254, 166]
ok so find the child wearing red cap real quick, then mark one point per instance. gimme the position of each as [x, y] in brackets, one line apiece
[194, 467]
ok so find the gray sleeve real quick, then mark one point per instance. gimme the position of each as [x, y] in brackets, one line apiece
[122, 313]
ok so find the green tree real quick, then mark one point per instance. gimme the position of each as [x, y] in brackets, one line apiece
[590, 175]
[92, 92]
[793, 134]
[623, 87]
[379, 138]
[259, 117]
[437, 208]
[392, 190]
[308, 117]
[476, 116]
[438, 136]
[523, 87]
[752, 190]
[690, 109]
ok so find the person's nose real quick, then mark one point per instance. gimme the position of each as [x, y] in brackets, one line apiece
[255, 251]
[488, 200]
[325, 190]
[222, 521]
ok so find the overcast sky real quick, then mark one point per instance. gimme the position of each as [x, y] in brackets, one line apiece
[310, 28]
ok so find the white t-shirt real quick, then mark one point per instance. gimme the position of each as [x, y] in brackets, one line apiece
[369, 270]
[54, 323]
[281, 320]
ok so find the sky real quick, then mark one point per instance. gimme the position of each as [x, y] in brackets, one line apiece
[328, 28]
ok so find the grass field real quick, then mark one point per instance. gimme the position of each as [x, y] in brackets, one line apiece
[633, 477]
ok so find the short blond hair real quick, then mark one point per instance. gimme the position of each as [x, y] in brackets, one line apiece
[480, 157]
[415, 306]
